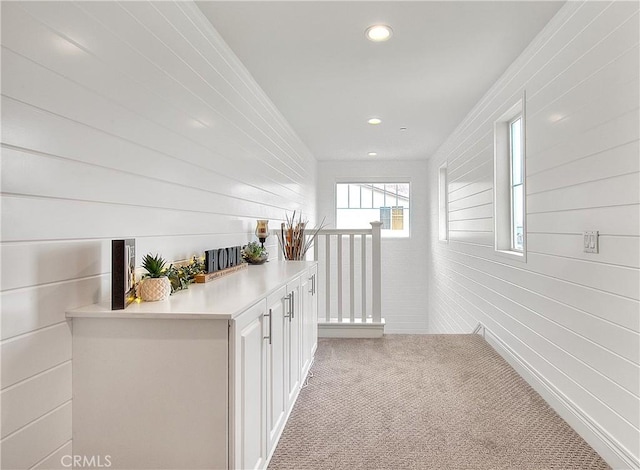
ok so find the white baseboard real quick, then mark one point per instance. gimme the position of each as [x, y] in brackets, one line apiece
[609, 449]
[346, 329]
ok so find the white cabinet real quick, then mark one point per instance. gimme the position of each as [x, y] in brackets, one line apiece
[276, 404]
[309, 319]
[250, 357]
[313, 308]
[289, 313]
[292, 342]
[151, 393]
[205, 380]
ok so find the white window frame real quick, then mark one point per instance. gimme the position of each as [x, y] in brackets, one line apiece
[502, 183]
[377, 180]
[443, 204]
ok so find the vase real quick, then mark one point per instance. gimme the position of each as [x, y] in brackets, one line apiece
[152, 289]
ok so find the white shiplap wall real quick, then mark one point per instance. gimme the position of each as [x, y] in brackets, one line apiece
[568, 320]
[119, 120]
[404, 260]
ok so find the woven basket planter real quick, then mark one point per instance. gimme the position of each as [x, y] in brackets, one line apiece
[154, 289]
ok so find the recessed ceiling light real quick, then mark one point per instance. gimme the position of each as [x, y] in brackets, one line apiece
[378, 32]
[372, 154]
[197, 123]
[65, 46]
[403, 128]
[374, 121]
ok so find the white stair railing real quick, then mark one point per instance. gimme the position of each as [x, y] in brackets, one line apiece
[349, 295]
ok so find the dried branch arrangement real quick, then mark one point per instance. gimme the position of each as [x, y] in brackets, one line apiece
[293, 239]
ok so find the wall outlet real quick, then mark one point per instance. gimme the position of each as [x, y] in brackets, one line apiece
[591, 242]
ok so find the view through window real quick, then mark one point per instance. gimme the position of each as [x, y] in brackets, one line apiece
[509, 174]
[517, 180]
[358, 204]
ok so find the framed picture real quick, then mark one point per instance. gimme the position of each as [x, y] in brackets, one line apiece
[123, 268]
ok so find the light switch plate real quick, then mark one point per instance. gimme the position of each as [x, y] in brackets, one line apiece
[591, 242]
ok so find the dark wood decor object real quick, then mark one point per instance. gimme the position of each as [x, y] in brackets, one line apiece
[123, 268]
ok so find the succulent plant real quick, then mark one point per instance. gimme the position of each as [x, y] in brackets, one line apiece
[254, 253]
[154, 265]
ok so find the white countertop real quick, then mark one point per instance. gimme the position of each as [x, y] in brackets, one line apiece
[223, 298]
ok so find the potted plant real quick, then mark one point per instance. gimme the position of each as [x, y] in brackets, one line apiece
[155, 284]
[254, 253]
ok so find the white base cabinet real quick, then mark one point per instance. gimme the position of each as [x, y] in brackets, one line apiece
[292, 342]
[250, 397]
[151, 393]
[175, 388]
[309, 318]
[276, 402]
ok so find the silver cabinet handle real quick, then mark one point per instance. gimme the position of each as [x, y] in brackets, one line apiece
[270, 324]
[291, 305]
[288, 313]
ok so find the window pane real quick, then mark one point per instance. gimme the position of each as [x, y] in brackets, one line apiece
[517, 203]
[367, 195]
[356, 218]
[354, 196]
[403, 195]
[397, 218]
[517, 217]
[516, 151]
[359, 204]
[378, 195]
[342, 195]
[443, 230]
[390, 194]
[385, 217]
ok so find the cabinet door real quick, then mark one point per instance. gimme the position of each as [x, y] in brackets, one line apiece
[250, 389]
[314, 309]
[276, 404]
[310, 328]
[306, 286]
[292, 342]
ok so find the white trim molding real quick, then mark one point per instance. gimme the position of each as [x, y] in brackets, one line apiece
[502, 198]
[602, 442]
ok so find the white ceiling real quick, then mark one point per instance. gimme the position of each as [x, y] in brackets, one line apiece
[313, 61]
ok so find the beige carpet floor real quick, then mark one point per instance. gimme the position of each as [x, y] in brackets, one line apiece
[424, 402]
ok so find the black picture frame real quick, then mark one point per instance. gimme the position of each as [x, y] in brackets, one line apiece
[123, 266]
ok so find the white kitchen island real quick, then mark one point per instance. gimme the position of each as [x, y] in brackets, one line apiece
[205, 379]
